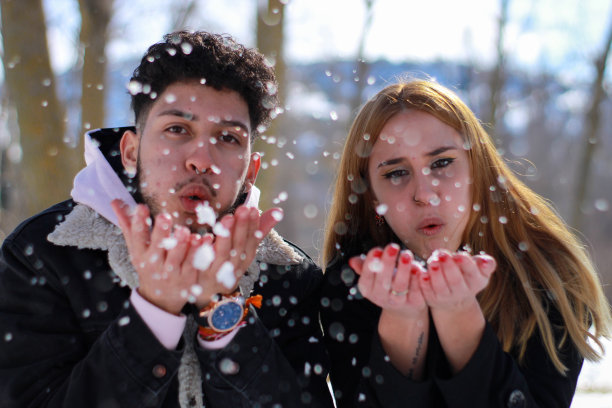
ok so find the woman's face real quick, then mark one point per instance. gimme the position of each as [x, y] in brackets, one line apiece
[420, 176]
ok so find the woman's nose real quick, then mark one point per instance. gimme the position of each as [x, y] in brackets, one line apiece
[425, 191]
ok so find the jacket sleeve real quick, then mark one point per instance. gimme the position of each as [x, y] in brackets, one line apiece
[494, 378]
[361, 373]
[56, 353]
[282, 363]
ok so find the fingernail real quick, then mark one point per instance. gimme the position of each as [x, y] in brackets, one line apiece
[377, 253]
[443, 256]
[457, 258]
[481, 261]
[414, 270]
[426, 278]
[434, 267]
[393, 249]
[405, 258]
[277, 214]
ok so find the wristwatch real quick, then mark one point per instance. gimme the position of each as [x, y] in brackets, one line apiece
[222, 316]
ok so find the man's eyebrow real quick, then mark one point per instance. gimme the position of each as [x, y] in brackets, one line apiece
[179, 113]
[235, 123]
[432, 153]
[191, 116]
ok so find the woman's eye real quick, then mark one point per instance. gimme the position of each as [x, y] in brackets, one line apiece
[441, 163]
[396, 174]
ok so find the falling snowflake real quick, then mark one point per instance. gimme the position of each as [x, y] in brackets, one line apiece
[203, 257]
[206, 215]
[225, 275]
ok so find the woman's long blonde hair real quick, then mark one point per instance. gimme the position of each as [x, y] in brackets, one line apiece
[540, 261]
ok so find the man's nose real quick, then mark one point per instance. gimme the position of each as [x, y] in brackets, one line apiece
[199, 159]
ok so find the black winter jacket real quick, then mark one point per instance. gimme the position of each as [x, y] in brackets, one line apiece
[362, 375]
[71, 338]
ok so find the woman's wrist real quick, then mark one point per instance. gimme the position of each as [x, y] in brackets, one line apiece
[393, 322]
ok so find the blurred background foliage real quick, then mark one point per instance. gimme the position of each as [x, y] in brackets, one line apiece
[536, 73]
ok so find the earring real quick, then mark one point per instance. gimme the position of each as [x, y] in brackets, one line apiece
[380, 220]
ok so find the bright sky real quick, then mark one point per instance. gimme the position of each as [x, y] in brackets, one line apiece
[556, 34]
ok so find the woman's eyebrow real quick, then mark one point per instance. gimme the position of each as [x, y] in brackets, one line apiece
[389, 162]
[440, 150]
[432, 153]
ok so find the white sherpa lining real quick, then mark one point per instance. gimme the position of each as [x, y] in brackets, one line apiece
[85, 228]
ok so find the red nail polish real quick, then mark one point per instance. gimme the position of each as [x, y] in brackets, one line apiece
[392, 249]
[405, 258]
[443, 257]
[457, 258]
[426, 278]
[434, 267]
[377, 253]
[414, 270]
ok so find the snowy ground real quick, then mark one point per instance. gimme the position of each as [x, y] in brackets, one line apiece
[595, 383]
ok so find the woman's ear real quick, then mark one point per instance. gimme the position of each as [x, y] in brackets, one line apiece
[129, 151]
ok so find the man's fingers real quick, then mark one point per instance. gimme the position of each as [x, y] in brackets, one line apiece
[177, 246]
[240, 234]
[121, 210]
[269, 219]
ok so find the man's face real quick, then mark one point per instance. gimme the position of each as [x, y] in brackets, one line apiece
[194, 147]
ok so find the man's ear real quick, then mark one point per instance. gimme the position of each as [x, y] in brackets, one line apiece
[254, 165]
[129, 151]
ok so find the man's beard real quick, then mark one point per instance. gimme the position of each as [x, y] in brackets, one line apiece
[152, 201]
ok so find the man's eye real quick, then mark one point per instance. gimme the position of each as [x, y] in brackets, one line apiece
[228, 137]
[176, 129]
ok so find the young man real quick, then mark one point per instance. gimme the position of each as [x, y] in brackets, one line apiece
[133, 292]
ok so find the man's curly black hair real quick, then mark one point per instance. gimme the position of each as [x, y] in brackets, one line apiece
[215, 60]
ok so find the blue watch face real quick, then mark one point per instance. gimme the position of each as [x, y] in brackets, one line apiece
[226, 316]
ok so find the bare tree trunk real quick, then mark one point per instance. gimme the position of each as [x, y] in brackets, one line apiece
[182, 12]
[497, 81]
[95, 18]
[47, 168]
[590, 137]
[362, 67]
[270, 23]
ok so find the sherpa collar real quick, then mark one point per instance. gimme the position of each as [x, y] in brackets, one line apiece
[85, 228]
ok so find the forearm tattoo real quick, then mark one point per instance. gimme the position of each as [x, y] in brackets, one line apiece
[417, 352]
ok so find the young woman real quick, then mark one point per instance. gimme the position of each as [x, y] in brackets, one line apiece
[449, 283]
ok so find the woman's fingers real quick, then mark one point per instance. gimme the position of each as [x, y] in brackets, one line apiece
[389, 261]
[356, 263]
[401, 280]
[486, 264]
[437, 278]
[372, 265]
